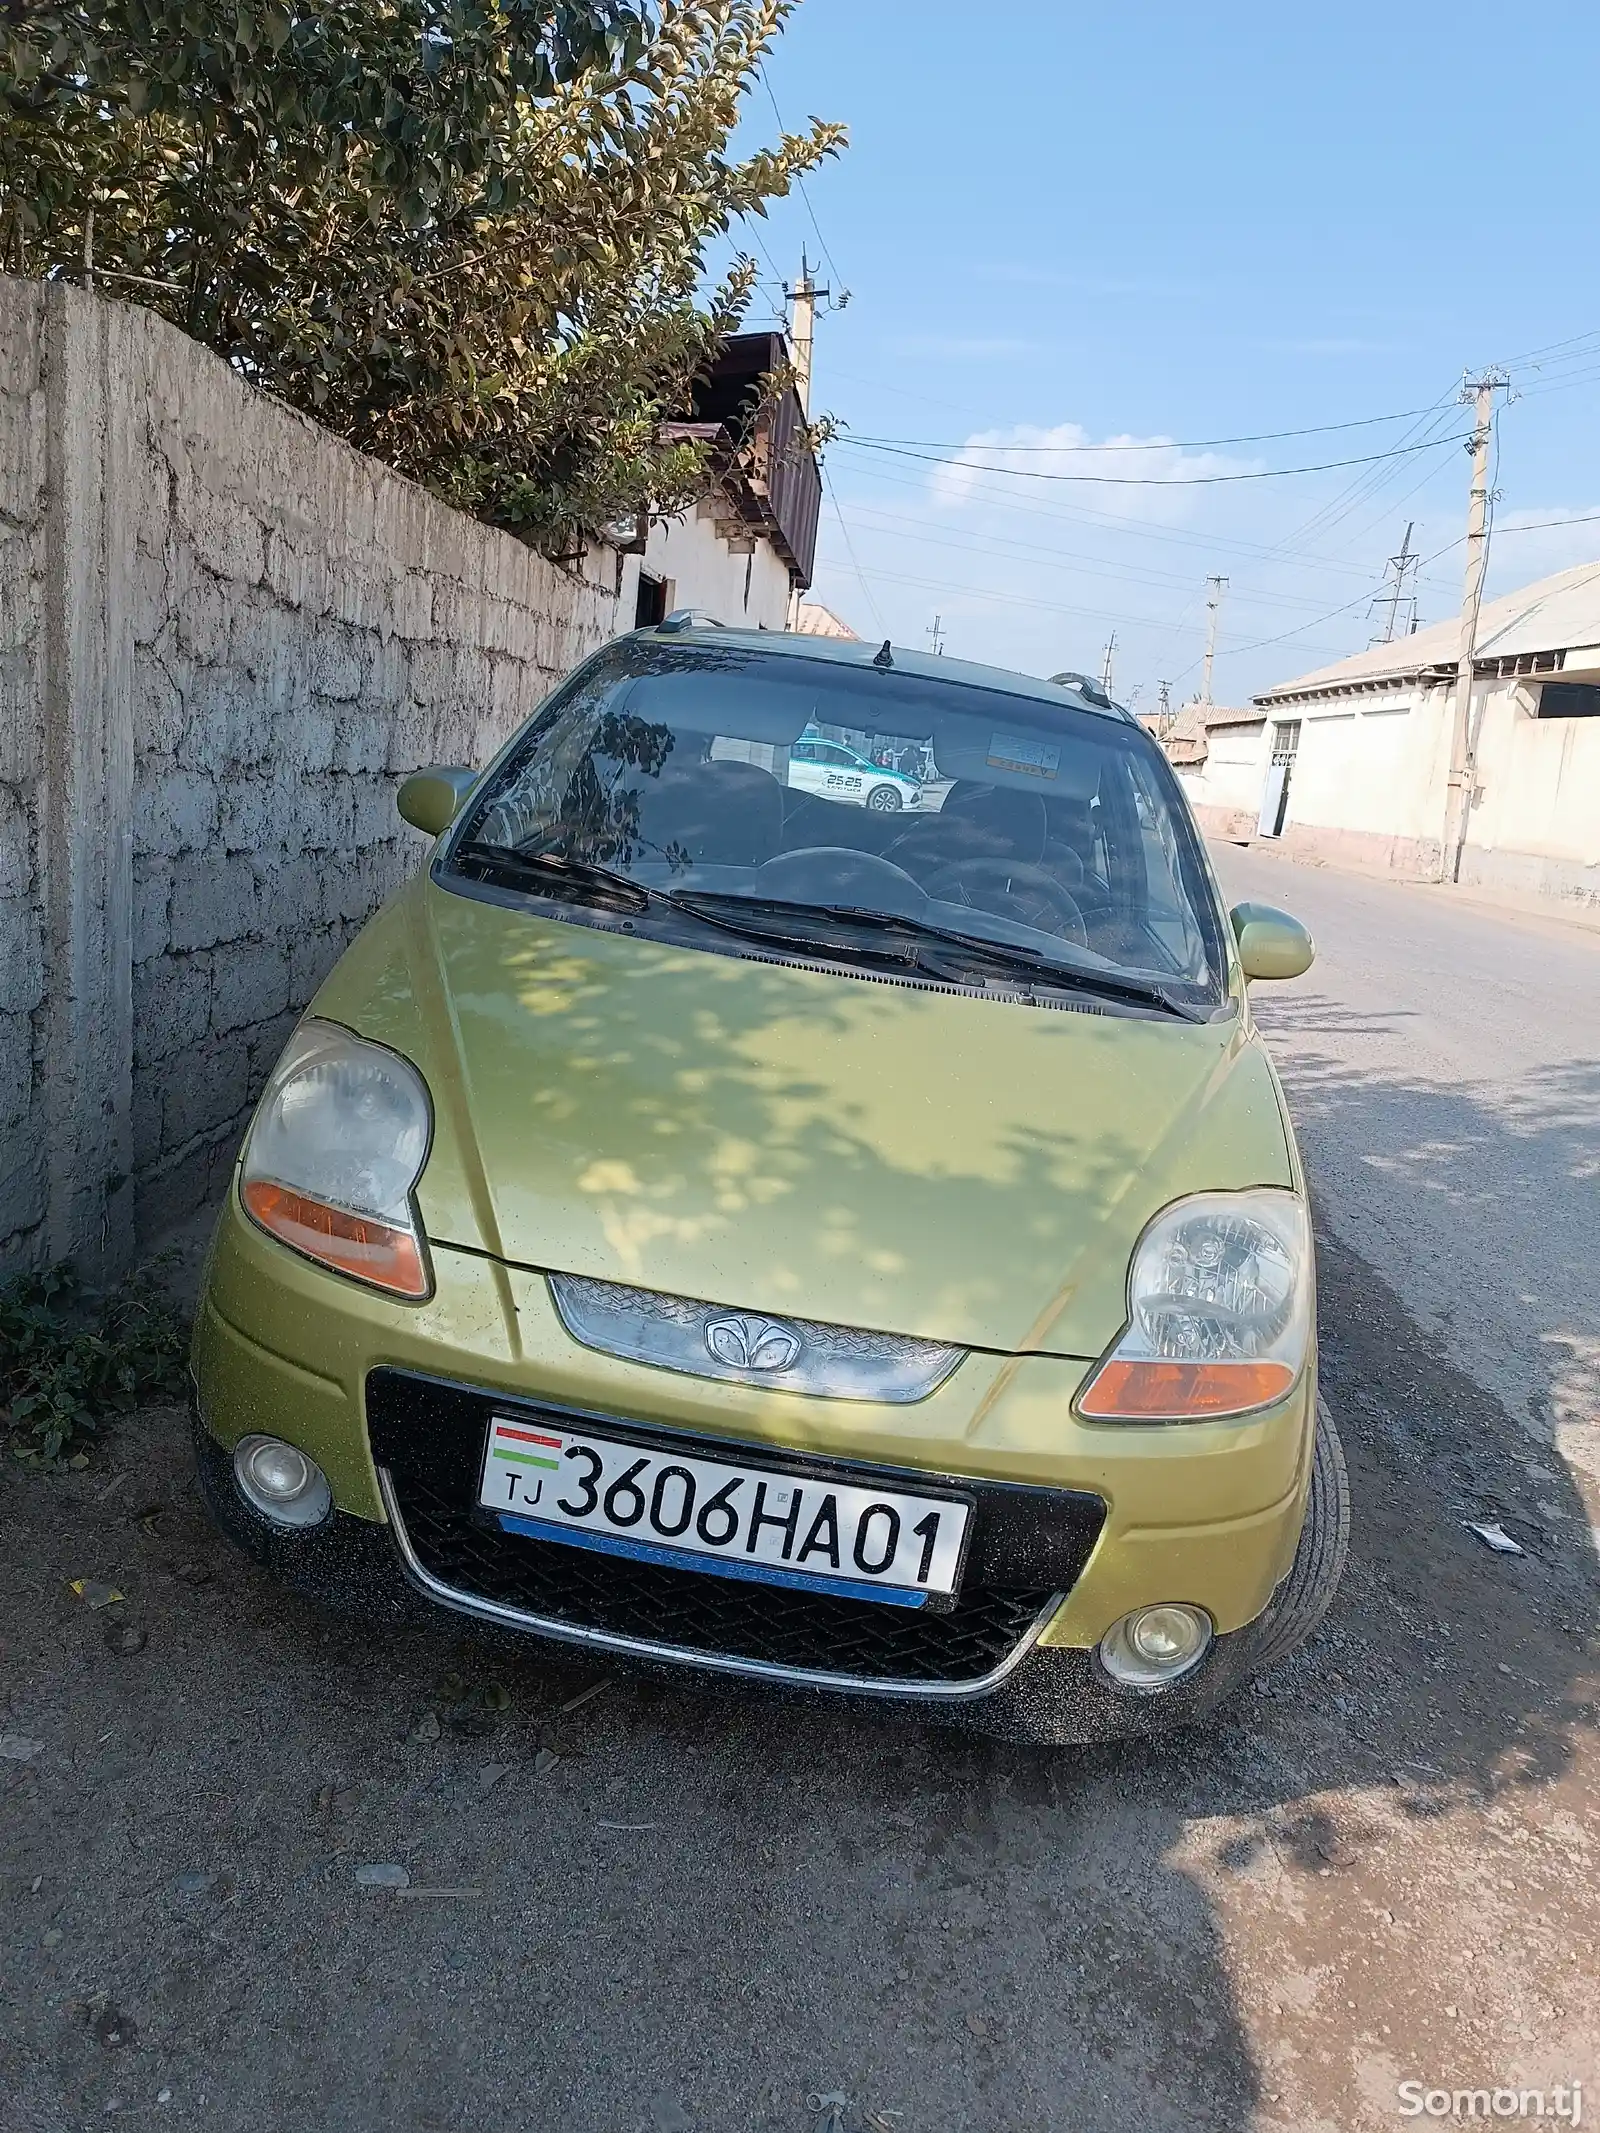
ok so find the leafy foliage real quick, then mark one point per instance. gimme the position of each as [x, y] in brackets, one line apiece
[468, 235]
[66, 1363]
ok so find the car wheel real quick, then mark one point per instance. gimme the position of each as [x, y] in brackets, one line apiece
[1298, 1606]
[1067, 1701]
[1307, 1592]
[884, 800]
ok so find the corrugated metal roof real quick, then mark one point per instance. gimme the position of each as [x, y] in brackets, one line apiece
[1551, 615]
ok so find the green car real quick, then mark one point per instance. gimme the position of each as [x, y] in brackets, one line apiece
[711, 1223]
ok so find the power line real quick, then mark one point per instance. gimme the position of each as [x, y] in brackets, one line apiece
[1235, 651]
[1148, 481]
[850, 549]
[1355, 492]
[1566, 385]
[1364, 488]
[1050, 607]
[1530, 357]
[1004, 549]
[1538, 525]
[1168, 444]
[800, 184]
[1098, 521]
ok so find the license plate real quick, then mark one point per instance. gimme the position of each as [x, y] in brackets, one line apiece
[714, 1515]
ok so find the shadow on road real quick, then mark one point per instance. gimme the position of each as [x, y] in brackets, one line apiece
[735, 1900]
[1514, 1165]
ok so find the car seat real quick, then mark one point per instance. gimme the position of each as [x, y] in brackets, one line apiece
[976, 822]
[716, 814]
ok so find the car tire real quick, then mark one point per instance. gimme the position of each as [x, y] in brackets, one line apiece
[884, 800]
[1081, 1705]
[1306, 1594]
[1297, 1608]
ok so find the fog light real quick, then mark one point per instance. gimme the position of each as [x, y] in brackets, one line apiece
[1155, 1646]
[282, 1483]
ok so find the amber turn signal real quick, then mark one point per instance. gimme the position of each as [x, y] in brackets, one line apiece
[358, 1245]
[1132, 1391]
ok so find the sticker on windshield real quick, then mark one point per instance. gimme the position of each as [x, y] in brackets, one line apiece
[1034, 759]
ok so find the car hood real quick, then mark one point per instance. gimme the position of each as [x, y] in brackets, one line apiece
[788, 1140]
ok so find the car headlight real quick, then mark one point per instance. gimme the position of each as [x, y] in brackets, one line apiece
[335, 1150]
[1219, 1312]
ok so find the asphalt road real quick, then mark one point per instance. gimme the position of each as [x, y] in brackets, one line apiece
[669, 1908]
[1444, 1064]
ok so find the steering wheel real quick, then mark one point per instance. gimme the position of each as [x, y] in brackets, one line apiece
[1006, 888]
[838, 874]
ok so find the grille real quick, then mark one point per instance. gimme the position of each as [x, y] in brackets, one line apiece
[777, 1626]
[1025, 1546]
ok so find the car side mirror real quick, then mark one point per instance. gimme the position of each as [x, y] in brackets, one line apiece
[1271, 943]
[431, 800]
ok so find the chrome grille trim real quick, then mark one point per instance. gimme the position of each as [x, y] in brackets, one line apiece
[825, 1362]
[470, 1603]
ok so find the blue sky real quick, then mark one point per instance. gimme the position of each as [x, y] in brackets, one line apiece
[1153, 222]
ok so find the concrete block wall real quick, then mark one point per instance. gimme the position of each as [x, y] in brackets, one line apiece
[23, 1182]
[225, 639]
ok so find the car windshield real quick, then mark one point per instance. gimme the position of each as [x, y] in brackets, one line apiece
[712, 775]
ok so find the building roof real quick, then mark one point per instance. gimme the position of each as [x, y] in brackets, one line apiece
[1185, 733]
[781, 490]
[760, 456]
[812, 619]
[1529, 631]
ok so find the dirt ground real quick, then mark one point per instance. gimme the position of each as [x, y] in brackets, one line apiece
[672, 1908]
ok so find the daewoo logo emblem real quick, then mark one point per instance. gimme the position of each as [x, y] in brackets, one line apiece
[747, 1343]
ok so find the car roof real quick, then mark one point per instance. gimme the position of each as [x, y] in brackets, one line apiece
[856, 652]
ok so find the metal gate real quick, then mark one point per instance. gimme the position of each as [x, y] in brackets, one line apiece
[1275, 796]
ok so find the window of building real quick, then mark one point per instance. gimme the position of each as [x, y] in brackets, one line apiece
[1569, 699]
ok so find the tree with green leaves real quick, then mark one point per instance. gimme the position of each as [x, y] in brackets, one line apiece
[470, 236]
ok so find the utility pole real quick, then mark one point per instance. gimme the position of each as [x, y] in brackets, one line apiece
[1464, 732]
[1218, 587]
[1403, 565]
[936, 637]
[1106, 663]
[1164, 708]
[803, 332]
[802, 338]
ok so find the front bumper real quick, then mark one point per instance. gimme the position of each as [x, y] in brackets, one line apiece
[1045, 1695]
[1207, 1513]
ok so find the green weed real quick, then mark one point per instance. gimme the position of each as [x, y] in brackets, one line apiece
[68, 1360]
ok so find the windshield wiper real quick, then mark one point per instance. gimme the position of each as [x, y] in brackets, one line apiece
[558, 875]
[742, 914]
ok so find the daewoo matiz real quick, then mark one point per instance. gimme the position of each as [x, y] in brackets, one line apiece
[705, 1221]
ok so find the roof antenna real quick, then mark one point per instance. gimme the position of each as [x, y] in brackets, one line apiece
[886, 657]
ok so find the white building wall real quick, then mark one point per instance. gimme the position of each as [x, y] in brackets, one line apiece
[1537, 824]
[1225, 791]
[1370, 788]
[743, 591]
[1368, 783]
